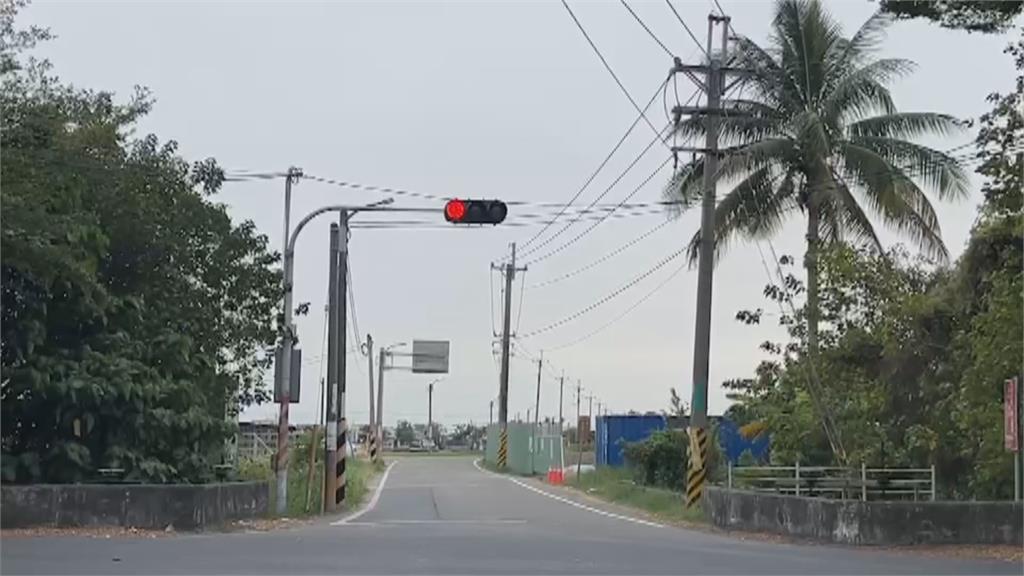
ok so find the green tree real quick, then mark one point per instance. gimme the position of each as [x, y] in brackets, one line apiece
[985, 16]
[135, 314]
[820, 136]
[405, 433]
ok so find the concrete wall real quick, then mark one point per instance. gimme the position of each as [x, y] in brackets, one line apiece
[155, 506]
[856, 522]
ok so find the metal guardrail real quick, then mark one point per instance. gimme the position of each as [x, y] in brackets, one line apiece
[836, 482]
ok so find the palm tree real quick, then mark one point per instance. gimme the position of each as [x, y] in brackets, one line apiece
[819, 135]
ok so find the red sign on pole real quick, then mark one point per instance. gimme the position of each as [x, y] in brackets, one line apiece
[1010, 417]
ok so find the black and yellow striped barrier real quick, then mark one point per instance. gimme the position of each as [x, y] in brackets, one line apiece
[339, 470]
[373, 446]
[697, 473]
[503, 450]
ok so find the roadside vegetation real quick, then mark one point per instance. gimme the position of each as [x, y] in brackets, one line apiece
[304, 499]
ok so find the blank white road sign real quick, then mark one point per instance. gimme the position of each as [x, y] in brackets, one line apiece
[430, 356]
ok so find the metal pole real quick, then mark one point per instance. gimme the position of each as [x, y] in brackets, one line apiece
[380, 402]
[430, 414]
[490, 418]
[536, 412]
[341, 357]
[331, 433]
[369, 373]
[579, 435]
[288, 334]
[561, 392]
[510, 272]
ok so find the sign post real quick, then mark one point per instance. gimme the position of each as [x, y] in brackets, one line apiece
[1011, 430]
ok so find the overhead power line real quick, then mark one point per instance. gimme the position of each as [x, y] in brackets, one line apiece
[600, 166]
[604, 258]
[608, 297]
[598, 221]
[609, 69]
[645, 27]
[624, 313]
[687, 27]
[615, 182]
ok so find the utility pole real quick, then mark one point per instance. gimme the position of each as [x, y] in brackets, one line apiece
[341, 357]
[536, 411]
[579, 436]
[714, 73]
[371, 430]
[490, 418]
[561, 392]
[380, 403]
[331, 433]
[510, 273]
[430, 413]
[287, 342]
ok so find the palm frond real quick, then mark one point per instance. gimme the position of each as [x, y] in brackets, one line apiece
[906, 125]
[935, 169]
[752, 209]
[864, 91]
[865, 40]
[894, 197]
[685, 187]
[855, 224]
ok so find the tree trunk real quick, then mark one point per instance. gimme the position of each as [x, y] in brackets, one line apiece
[811, 265]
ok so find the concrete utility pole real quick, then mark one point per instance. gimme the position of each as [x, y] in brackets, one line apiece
[579, 436]
[561, 392]
[380, 402]
[430, 413]
[490, 418]
[371, 431]
[331, 433]
[714, 75]
[287, 342]
[536, 411]
[342, 357]
[510, 273]
[705, 268]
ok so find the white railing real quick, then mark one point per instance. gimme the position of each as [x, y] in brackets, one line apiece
[835, 482]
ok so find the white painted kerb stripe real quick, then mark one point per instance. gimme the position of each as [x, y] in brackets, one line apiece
[373, 500]
[570, 502]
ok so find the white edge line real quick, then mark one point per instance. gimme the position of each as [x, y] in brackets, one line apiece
[568, 501]
[373, 500]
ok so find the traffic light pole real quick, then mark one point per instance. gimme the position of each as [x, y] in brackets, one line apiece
[288, 329]
[331, 432]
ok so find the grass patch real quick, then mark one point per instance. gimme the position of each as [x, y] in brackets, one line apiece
[359, 472]
[616, 485]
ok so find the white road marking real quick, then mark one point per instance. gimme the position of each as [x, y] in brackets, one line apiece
[435, 522]
[568, 501]
[373, 500]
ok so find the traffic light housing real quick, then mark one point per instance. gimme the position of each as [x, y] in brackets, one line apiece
[475, 211]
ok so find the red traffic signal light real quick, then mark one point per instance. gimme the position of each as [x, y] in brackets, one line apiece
[475, 211]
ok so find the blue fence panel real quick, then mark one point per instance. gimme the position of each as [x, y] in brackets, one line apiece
[734, 444]
[615, 430]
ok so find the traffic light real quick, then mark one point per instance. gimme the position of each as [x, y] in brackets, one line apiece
[475, 211]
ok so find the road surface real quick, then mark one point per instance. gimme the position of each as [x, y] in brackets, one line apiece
[443, 515]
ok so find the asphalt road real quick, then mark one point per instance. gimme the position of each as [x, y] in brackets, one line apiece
[443, 515]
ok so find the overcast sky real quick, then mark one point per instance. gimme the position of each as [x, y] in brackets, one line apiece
[501, 100]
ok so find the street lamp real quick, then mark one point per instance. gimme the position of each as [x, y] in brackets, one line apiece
[430, 411]
[289, 329]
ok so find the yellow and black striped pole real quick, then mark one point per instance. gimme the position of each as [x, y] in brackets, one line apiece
[373, 444]
[503, 449]
[339, 470]
[697, 473]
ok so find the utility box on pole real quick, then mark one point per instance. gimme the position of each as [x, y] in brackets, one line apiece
[294, 381]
